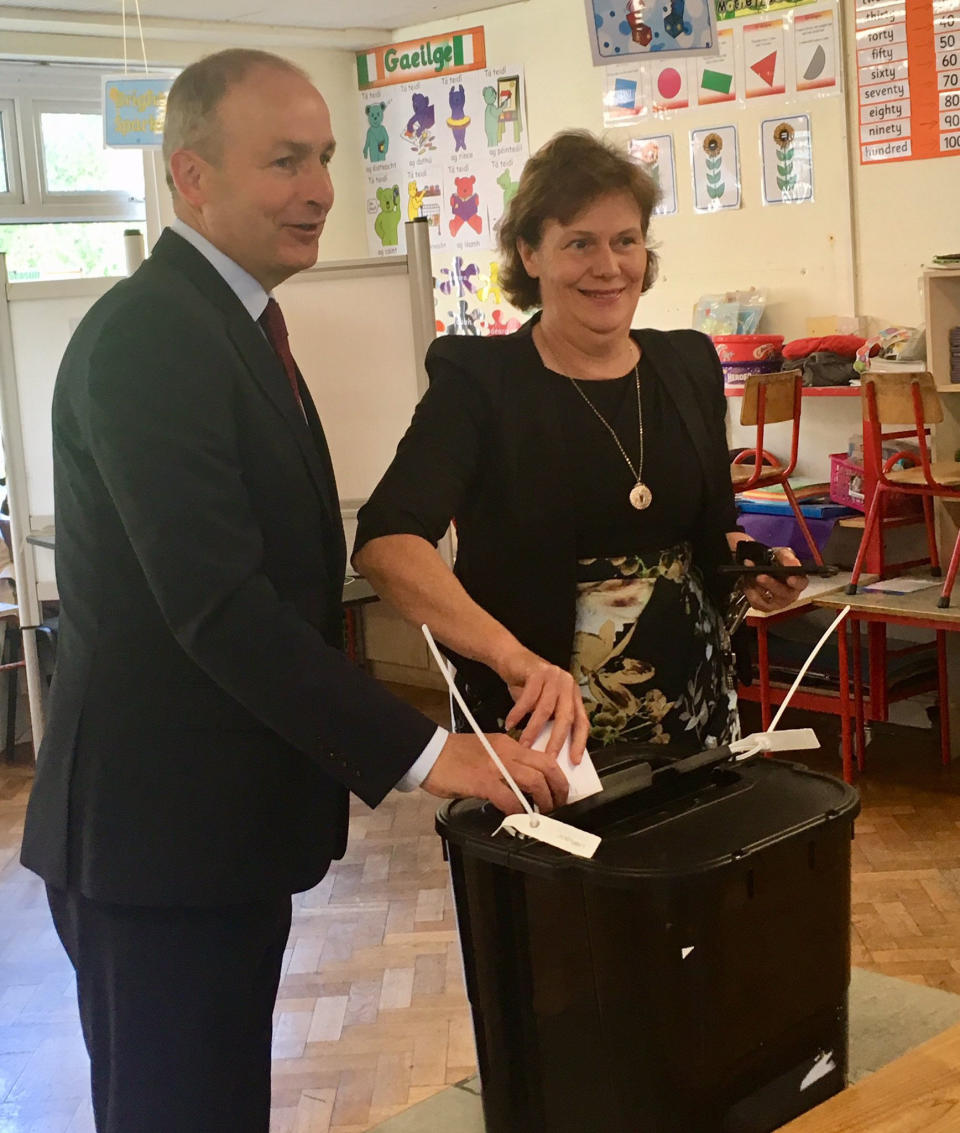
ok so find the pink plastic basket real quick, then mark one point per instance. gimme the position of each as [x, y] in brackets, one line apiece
[847, 488]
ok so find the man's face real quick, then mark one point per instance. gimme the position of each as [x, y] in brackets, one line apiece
[264, 201]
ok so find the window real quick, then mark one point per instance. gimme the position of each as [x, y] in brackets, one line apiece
[4, 185]
[65, 200]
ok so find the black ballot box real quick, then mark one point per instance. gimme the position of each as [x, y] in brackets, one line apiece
[690, 978]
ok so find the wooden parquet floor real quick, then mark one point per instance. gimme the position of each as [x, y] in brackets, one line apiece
[371, 1015]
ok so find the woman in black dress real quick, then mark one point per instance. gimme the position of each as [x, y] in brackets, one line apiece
[586, 467]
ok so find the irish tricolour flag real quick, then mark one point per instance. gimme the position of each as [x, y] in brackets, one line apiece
[367, 70]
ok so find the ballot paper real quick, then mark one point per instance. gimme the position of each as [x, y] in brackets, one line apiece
[583, 778]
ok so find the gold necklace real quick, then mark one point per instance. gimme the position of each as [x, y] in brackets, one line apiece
[640, 495]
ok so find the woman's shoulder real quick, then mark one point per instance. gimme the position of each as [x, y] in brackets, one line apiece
[683, 340]
[479, 354]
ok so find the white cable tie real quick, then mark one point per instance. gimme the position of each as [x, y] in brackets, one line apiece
[806, 665]
[143, 48]
[455, 693]
[123, 33]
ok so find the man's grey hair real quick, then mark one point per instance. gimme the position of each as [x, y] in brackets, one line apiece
[191, 116]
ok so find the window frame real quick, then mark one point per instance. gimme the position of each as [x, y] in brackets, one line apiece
[91, 204]
[11, 155]
[27, 91]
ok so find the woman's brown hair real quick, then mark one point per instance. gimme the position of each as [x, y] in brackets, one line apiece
[563, 178]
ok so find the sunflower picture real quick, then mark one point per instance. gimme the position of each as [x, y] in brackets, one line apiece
[716, 168]
[786, 177]
[787, 148]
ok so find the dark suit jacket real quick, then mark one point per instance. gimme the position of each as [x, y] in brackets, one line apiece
[487, 445]
[205, 726]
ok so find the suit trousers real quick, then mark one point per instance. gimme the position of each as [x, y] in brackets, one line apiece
[176, 1007]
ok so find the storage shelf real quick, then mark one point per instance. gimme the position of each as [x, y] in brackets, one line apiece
[809, 391]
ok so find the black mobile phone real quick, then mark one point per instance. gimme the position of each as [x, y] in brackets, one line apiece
[778, 570]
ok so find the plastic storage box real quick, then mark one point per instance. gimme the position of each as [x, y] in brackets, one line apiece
[690, 978]
[846, 487]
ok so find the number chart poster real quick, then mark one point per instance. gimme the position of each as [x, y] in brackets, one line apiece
[908, 79]
[447, 144]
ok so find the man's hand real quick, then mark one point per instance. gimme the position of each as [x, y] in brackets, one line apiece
[769, 594]
[545, 692]
[464, 770]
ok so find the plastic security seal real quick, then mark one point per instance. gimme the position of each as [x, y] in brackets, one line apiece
[529, 823]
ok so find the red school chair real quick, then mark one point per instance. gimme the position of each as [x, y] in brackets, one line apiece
[890, 399]
[769, 399]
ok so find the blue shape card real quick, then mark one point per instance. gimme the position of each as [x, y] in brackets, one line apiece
[636, 29]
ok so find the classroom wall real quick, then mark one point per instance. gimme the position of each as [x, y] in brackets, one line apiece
[801, 254]
[857, 249]
[333, 70]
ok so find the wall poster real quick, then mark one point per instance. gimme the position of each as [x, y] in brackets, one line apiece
[715, 157]
[908, 79]
[655, 156]
[635, 29]
[445, 138]
[786, 148]
[766, 49]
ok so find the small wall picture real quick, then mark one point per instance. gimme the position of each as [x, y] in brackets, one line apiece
[715, 157]
[655, 156]
[787, 152]
[625, 29]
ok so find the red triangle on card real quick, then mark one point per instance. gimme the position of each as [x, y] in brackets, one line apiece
[766, 68]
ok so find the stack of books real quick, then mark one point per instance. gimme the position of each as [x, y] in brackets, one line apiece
[812, 495]
[946, 260]
[955, 355]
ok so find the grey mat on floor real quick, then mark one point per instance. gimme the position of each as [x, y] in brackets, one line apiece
[888, 1017]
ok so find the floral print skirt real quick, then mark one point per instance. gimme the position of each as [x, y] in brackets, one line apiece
[651, 654]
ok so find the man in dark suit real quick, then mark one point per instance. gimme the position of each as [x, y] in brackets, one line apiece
[205, 726]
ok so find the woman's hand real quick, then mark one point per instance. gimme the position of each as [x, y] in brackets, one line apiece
[770, 594]
[545, 692]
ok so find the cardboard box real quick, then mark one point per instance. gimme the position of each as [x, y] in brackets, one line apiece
[820, 325]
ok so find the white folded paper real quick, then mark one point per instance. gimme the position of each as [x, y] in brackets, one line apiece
[583, 778]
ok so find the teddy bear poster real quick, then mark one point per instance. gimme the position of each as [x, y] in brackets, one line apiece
[449, 149]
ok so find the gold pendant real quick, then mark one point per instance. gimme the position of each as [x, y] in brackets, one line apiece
[640, 496]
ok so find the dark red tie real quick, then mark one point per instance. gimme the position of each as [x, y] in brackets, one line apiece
[275, 328]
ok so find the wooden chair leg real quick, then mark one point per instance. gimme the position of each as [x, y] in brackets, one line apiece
[865, 540]
[931, 536]
[951, 575]
[802, 524]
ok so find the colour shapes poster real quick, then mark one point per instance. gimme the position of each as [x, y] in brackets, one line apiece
[908, 79]
[785, 51]
[449, 148]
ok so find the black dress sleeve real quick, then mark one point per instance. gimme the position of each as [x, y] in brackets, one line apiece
[437, 460]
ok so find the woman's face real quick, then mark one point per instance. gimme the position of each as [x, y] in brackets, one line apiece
[591, 270]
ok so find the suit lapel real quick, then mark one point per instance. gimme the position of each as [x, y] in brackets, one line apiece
[260, 361]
